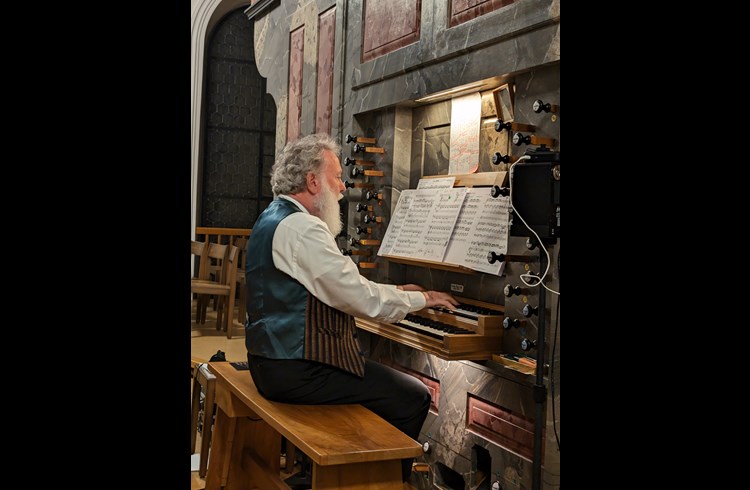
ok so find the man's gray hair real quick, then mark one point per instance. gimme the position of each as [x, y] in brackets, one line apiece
[297, 159]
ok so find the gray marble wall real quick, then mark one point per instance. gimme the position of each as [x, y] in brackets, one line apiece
[517, 44]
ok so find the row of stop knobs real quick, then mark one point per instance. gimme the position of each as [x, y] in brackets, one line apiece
[528, 311]
[519, 138]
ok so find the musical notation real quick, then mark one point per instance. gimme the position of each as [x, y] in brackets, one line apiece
[482, 226]
[397, 221]
[427, 224]
[438, 183]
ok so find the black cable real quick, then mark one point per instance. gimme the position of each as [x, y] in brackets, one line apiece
[552, 363]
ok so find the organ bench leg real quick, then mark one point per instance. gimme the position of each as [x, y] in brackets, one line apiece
[238, 429]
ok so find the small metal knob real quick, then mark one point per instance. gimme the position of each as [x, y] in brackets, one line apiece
[492, 257]
[528, 344]
[538, 106]
[498, 191]
[499, 158]
[528, 311]
[500, 125]
[519, 139]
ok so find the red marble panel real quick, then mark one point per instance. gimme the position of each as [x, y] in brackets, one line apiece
[389, 25]
[324, 99]
[296, 62]
[464, 10]
[500, 425]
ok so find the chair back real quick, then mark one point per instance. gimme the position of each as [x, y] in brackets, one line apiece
[200, 251]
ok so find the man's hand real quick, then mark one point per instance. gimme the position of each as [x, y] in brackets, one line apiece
[438, 298]
[411, 287]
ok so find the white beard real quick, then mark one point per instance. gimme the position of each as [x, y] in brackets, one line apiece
[327, 209]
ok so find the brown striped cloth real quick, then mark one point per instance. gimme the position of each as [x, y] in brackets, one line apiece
[331, 338]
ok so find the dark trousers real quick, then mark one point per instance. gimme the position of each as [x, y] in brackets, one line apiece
[400, 399]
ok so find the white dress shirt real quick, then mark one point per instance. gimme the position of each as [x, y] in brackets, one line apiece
[304, 248]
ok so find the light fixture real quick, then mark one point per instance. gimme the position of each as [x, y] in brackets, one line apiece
[451, 91]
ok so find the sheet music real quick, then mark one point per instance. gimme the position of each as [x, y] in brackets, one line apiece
[481, 227]
[439, 183]
[428, 224]
[396, 222]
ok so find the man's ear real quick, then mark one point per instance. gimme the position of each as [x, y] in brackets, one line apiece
[313, 183]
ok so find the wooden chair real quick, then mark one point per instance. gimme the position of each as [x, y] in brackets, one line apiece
[199, 251]
[224, 287]
[210, 263]
[222, 236]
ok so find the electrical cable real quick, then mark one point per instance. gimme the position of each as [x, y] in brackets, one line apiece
[539, 240]
[552, 368]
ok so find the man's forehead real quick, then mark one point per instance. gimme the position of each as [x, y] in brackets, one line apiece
[332, 159]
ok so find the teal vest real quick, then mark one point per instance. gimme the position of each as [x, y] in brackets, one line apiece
[285, 320]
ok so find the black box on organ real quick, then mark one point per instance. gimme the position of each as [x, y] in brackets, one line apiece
[536, 194]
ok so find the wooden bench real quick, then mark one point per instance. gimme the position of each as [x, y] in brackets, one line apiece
[351, 447]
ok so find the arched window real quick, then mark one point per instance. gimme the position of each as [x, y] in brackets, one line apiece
[239, 121]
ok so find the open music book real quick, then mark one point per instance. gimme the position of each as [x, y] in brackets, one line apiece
[452, 225]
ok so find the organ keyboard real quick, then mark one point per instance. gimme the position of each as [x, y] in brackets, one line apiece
[472, 331]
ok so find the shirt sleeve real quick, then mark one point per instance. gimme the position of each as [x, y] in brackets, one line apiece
[304, 248]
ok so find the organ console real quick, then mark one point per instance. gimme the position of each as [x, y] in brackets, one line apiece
[472, 331]
[363, 207]
[364, 231]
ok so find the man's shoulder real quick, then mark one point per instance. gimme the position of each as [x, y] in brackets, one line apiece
[300, 220]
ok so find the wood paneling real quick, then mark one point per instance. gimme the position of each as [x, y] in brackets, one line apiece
[324, 99]
[296, 62]
[464, 10]
[389, 25]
